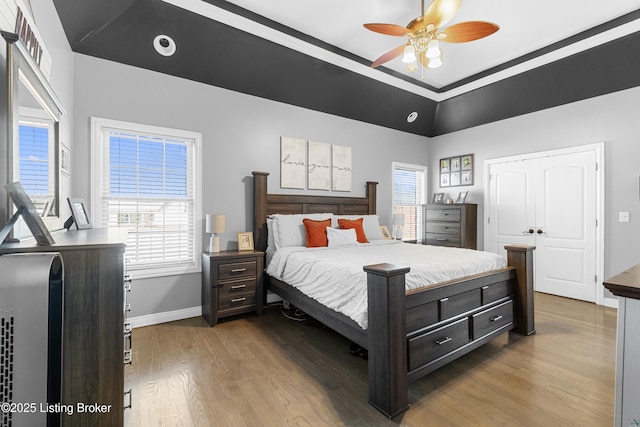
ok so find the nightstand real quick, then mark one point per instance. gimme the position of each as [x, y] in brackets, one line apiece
[231, 284]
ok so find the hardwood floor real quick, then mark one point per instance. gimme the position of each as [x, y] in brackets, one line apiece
[271, 371]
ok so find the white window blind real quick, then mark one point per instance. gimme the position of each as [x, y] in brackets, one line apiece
[147, 184]
[409, 194]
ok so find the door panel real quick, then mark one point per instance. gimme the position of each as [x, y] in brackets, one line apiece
[566, 215]
[510, 207]
[555, 198]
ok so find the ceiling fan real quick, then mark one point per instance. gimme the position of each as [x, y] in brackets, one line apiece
[425, 34]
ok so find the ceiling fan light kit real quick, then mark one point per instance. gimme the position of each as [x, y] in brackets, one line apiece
[425, 34]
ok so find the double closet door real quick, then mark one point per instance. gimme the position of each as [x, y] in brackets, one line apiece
[549, 202]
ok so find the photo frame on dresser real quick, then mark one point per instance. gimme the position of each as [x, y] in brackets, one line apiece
[79, 214]
[456, 171]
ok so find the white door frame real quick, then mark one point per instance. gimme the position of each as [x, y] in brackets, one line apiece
[599, 149]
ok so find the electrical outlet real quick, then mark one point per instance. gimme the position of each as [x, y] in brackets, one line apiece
[623, 217]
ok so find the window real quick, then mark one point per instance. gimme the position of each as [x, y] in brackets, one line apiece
[147, 179]
[409, 194]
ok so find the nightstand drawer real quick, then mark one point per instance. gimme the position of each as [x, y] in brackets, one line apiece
[236, 270]
[233, 300]
[236, 287]
[446, 214]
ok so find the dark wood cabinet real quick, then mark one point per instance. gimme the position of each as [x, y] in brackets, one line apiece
[231, 284]
[93, 321]
[453, 225]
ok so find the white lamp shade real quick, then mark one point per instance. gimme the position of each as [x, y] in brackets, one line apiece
[214, 223]
[398, 219]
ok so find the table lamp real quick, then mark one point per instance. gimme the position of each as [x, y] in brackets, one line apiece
[214, 225]
[398, 221]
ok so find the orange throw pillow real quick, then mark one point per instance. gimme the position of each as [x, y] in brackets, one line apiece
[316, 232]
[356, 224]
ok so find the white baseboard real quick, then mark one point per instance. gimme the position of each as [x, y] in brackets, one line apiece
[611, 302]
[167, 316]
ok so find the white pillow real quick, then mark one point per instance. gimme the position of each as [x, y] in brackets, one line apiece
[271, 243]
[289, 230]
[341, 237]
[370, 225]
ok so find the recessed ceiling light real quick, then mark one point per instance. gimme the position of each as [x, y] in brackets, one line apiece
[164, 45]
[412, 117]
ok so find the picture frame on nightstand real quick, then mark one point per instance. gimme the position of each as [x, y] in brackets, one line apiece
[245, 241]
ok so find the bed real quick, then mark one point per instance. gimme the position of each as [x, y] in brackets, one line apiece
[409, 333]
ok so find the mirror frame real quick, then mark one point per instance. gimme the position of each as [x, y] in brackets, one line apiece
[20, 63]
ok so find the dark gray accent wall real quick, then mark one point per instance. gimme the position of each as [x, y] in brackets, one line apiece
[607, 68]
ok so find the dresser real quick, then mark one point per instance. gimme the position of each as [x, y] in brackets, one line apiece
[232, 283]
[93, 322]
[626, 286]
[453, 225]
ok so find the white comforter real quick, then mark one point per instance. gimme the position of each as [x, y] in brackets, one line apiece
[335, 278]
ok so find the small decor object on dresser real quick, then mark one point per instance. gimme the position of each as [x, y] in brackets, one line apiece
[245, 241]
[438, 198]
[79, 213]
[462, 197]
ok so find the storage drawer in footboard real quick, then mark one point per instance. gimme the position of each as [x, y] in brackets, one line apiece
[434, 344]
[492, 319]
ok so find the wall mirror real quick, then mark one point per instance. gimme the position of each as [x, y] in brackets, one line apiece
[33, 150]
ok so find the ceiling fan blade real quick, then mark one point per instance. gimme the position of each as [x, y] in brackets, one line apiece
[467, 31]
[388, 29]
[394, 53]
[440, 12]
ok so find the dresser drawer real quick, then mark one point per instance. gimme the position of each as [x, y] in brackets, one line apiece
[430, 346]
[444, 227]
[492, 319]
[445, 214]
[236, 270]
[437, 239]
[234, 300]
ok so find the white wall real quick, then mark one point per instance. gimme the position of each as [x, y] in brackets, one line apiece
[241, 134]
[611, 118]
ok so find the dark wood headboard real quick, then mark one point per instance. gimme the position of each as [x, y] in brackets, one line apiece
[266, 204]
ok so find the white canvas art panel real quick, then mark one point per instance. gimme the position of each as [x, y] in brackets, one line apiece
[341, 170]
[319, 169]
[293, 162]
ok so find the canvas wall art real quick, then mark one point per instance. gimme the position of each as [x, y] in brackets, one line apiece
[341, 159]
[293, 163]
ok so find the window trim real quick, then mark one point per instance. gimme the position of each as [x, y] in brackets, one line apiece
[415, 167]
[98, 126]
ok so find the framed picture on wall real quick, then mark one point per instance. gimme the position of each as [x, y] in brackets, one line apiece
[456, 171]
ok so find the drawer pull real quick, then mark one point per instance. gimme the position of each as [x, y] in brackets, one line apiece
[236, 287]
[238, 270]
[128, 405]
[496, 318]
[128, 352]
[443, 340]
[441, 240]
[238, 299]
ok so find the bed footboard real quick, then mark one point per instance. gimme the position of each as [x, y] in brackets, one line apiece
[410, 335]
